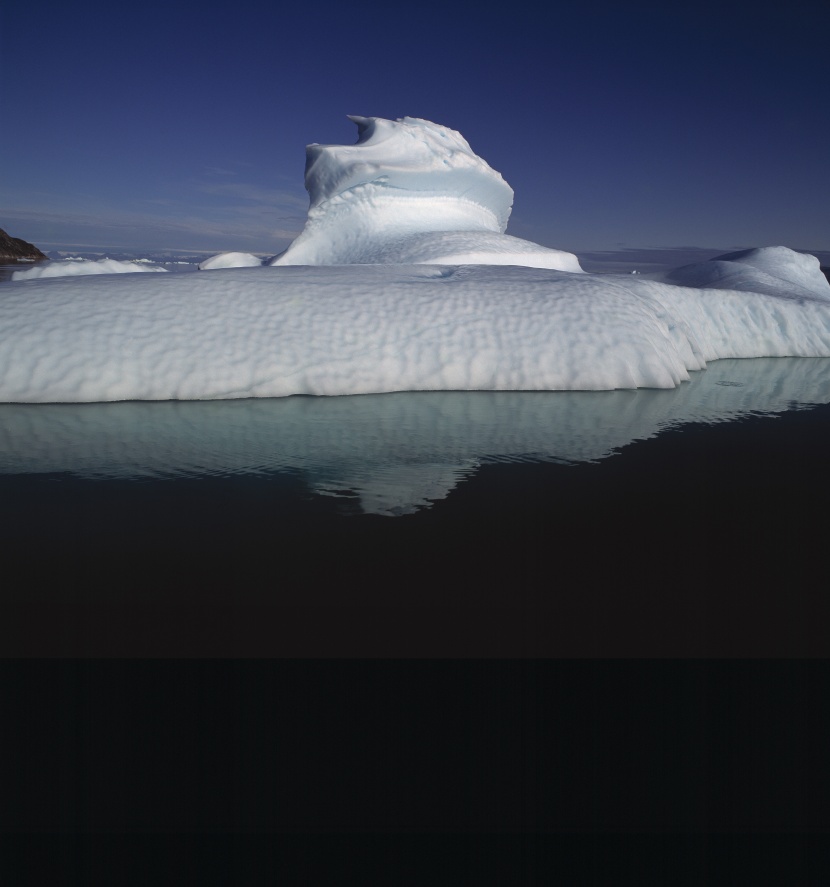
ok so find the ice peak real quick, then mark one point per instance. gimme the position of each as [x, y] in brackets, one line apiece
[404, 192]
[364, 125]
[416, 157]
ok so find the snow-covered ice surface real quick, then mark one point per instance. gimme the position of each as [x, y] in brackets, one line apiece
[273, 332]
[391, 454]
[81, 267]
[402, 280]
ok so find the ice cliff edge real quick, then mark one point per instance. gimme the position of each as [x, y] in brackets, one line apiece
[409, 192]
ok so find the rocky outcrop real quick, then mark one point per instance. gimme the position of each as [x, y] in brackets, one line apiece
[13, 249]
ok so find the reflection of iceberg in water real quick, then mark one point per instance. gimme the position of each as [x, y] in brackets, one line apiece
[394, 453]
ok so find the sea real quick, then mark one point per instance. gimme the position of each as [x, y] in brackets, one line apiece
[550, 614]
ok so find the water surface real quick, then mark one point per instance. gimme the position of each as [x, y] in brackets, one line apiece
[632, 523]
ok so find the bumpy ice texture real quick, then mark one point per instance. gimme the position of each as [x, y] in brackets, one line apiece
[276, 331]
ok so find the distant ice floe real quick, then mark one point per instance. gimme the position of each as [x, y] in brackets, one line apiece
[73, 267]
[230, 260]
[402, 280]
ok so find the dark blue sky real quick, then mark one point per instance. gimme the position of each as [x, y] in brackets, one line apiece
[618, 125]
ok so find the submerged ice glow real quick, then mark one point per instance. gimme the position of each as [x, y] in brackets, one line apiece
[394, 453]
[403, 279]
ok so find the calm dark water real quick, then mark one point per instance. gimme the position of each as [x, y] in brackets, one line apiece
[672, 524]
[530, 637]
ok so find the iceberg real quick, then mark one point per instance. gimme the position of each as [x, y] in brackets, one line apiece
[230, 260]
[403, 279]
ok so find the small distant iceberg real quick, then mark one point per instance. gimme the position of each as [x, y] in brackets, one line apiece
[74, 267]
[230, 260]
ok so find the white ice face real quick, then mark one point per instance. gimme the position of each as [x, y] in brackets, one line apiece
[409, 155]
[409, 191]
